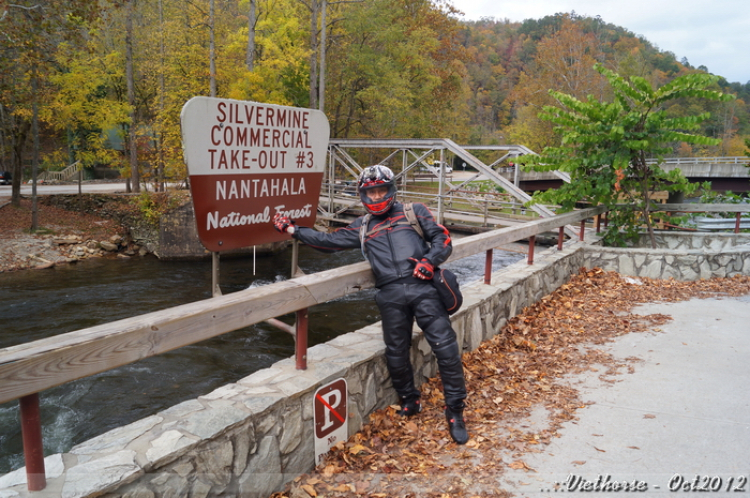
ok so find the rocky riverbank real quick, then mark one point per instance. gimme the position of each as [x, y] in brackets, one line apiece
[64, 236]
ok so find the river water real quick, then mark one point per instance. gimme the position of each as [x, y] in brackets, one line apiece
[42, 303]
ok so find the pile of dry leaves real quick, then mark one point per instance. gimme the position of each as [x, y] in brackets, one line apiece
[518, 369]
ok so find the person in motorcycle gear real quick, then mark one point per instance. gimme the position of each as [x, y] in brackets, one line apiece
[403, 263]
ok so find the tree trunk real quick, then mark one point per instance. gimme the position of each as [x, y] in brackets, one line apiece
[322, 85]
[136, 181]
[251, 20]
[160, 185]
[212, 48]
[313, 54]
[35, 155]
[19, 144]
[647, 211]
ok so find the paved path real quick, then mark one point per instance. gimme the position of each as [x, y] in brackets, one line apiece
[680, 422]
[68, 188]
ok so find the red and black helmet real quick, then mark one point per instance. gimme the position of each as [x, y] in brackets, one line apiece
[372, 177]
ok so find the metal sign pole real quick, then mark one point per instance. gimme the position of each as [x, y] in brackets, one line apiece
[215, 289]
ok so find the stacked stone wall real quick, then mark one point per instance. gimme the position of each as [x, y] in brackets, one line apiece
[679, 255]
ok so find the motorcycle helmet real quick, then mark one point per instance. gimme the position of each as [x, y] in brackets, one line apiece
[377, 177]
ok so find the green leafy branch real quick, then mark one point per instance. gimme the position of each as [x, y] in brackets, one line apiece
[613, 151]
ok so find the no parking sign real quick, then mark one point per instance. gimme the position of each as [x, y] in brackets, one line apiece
[330, 416]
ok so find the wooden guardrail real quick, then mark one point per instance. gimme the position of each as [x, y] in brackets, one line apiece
[27, 369]
[38, 365]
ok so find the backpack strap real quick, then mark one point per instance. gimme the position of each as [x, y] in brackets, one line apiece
[411, 216]
[363, 233]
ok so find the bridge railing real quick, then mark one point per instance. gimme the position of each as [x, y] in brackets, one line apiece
[710, 223]
[27, 369]
[704, 160]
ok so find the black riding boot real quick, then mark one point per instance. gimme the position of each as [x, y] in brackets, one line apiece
[410, 407]
[456, 425]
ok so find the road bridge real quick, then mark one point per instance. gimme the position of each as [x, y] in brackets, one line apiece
[724, 173]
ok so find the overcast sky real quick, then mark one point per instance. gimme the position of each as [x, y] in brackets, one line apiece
[711, 33]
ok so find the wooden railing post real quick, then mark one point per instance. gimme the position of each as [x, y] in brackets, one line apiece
[33, 451]
[583, 230]
[560, 237]
[301, 340]
[532, 243]
[488, 267]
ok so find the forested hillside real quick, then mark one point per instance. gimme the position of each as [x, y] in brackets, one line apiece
[96, 77]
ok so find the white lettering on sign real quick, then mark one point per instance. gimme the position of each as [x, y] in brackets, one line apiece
[214, 220]
[295, 213]
[332, 405]
[246, 189]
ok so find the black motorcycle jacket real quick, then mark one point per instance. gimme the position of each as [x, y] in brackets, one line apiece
[389, 242]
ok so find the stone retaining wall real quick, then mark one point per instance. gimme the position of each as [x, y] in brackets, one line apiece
[251, 437]
[683, 256]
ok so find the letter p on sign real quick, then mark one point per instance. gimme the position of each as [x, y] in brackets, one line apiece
[330, 414]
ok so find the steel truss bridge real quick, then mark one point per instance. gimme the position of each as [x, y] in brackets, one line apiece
[415, 159]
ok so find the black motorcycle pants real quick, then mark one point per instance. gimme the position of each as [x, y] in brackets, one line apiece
[400, 304]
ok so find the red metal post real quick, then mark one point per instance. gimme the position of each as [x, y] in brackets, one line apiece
[532, 243]
[301, 340]
[560, 237]
[583, 229]
[737, 223]
[488, 267]
[33, 452]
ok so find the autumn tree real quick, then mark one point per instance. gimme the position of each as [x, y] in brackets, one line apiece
[30, 33]
[613, 151]
[84, 106]
[397, 70]
[564, 61]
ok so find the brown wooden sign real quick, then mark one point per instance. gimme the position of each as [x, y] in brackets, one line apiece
[248, 161]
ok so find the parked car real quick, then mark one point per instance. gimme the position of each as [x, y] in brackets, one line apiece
[448, 167]
[5, 178]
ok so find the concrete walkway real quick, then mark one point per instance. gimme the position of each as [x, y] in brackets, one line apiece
[679, 424]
